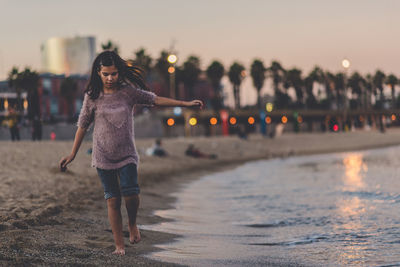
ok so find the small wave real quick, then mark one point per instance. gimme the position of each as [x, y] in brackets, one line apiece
[307, 240]
[373, 195]
[317, 221]
[268, 225]
[390, 265]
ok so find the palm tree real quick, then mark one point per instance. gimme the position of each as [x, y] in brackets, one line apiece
[27, 81]
[369, 90]
[277, 73]
[190, 74]
[257, 72]
[318, 76]
[215, 72]
[293, 79]
[143, 60]
[162, 65]
[68, 90]
[30, 83]
[311, 101]
[15, 83]
[378, 81]
[356, 82]
[109, 45]
[392, 80]
[236, 75]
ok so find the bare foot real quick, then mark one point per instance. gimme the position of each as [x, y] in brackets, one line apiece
[134, 235]
[119, 251]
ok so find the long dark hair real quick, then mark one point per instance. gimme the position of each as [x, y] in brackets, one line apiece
[127, 72]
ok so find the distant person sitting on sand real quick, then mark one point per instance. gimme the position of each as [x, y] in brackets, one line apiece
[157, 149]
[192, 151]
[115, 86]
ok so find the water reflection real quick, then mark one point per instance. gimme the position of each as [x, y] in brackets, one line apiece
[354, 172]
[351, 209]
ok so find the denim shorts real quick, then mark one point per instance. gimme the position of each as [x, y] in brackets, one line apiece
[127, 184]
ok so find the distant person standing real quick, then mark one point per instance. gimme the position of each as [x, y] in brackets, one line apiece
[36, 128]
[13, 123]
[115, 86]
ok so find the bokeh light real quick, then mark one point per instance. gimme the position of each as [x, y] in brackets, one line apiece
[268, 120]
[335, 127]
[213, 121]
[177, 111]
[172, 58]
[346, 63]
[170, 122]
[269, 107]
[299, 119]
[284, 119]
[193, 121]
[251, 120]
[171, 69]
[232, 120]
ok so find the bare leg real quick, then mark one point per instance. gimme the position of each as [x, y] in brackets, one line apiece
[115, 218]
[132, 205]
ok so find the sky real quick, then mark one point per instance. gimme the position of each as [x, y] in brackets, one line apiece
[297, 33]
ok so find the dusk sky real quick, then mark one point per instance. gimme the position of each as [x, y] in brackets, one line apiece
[297, 33]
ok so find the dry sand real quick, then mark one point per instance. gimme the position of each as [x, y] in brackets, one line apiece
[53, 218]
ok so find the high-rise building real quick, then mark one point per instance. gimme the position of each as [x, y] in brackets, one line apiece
[68, 56]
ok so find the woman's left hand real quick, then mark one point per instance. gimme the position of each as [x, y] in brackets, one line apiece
[195, 103]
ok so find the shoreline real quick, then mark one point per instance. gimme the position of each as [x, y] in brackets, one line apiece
[62, 219]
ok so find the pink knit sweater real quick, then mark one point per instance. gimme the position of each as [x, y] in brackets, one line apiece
[113, 135]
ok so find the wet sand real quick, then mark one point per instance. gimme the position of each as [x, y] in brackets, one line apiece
[53, 218]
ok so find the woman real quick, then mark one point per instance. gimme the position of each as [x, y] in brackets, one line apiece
[109, 98]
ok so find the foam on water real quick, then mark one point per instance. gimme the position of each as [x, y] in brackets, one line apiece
[330, 210]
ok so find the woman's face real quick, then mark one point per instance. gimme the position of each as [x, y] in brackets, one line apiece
[109, 76]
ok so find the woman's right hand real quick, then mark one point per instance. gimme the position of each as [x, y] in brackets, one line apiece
[65, 161]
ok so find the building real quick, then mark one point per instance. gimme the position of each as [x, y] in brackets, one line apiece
[69, 56]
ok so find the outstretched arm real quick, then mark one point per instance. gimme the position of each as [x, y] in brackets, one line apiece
[169, 102]
[80, 133]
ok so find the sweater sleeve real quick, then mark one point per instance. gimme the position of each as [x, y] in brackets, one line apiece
[86, 115]
[139, 96]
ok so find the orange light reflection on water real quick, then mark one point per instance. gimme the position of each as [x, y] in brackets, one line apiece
[354, 168]
[351, 210]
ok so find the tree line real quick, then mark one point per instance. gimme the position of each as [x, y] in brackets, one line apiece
[334, 86]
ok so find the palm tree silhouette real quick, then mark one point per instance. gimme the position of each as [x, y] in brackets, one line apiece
[109, 45]
[190, 74]
[236, 75]
[369, 90]
[215, 72]
[378, 80]
[356, 83]
[162, 66]
[14, 81]
[293, 79]
[143, 60]
[28, 81]
[277, 73]
[257, 72]
[392, 80]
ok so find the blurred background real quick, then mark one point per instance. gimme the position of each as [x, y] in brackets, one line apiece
[260, 66]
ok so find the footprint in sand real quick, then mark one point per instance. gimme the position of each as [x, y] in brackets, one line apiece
[99, 241]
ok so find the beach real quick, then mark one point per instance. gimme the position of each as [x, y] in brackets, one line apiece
[54, 218]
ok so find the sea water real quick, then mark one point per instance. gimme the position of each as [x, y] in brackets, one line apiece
[339, 209]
